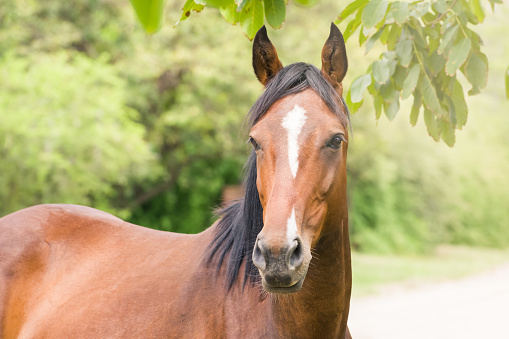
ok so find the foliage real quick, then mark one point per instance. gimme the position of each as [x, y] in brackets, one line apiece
[427, 44]
[57, 145]
[187, 116]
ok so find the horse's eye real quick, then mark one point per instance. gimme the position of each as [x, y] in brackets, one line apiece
[255, 145]
[335, 141]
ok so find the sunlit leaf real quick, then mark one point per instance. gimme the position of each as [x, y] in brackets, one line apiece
[460, 106]
[476, 70]
[418, 9]
[399, 10]
[306, 2]
[411, 81]
[393, 37]
[230, 13]
[457, 56]
[448, 38]
[477, 9]
[381, 71]
[388, 92]
[437, 62]
[374, 12]
[150, 13]
[440, 6]
[371, 41]
[252, 19]
[447, 132]
[275, 12]
[385, 34]
[351, 8]
[391, 109]
[354, 106]
[216, 3]
[404, 51]
[431, 124]
[429, 95]
[352, 26]
[416, 107]
[358, 87]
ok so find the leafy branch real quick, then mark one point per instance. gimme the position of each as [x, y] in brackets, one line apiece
[424, 51]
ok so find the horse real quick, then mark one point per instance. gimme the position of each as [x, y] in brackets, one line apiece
[276, 264]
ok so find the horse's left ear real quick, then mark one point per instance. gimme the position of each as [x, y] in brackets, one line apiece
[334, 61]
[266, 63]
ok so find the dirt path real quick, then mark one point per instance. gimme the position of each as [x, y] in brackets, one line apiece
[473, 307]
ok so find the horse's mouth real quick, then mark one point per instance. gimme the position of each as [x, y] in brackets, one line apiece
[283, 289]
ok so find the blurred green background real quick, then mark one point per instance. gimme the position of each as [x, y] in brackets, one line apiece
[93, 111]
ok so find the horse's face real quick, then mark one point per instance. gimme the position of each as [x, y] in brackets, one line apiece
[301, 176]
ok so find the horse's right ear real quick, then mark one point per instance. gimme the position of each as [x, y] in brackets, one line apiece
[266, 64]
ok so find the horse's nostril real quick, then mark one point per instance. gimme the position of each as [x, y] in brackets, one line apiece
[295, 255]
[258, 256]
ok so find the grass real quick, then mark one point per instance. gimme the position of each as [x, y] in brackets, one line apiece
[375, 273]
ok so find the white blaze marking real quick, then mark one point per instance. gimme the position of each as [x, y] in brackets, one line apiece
[291, 227]
[293, 123]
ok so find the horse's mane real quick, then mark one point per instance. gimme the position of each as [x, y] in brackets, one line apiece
[241, 222]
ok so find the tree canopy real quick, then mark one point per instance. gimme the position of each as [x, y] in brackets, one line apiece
[426, 46]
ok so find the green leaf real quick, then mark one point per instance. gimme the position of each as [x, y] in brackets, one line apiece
[150, 13]
[385, 34]
[416, 107]
[399, 76]
[477, 9]
[252, 19]
[404, 51]
[354, 106]
[393, 37]
[418, 9]
[372, 40]
[411, 81]
[351, 8]
[388, 92]
[460, 106]
[242, 4]
[507, 83]
[230, 13]
[391, 109]
[440, 6]
[374, 12]
[448, 38]
[217, 3]
[447, 132]
[275, 12]
[358, 87]
[352, 26]
[307, 3]
[429, 95]
[437, 62]
[457, 56]
[399, 10]
[476, 70]
[380, 70]
[431, 124]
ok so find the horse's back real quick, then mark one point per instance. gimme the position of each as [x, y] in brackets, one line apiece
[73, 271]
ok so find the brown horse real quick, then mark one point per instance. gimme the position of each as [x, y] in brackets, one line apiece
[275, 265]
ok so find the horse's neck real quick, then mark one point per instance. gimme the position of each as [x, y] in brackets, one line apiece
[320, 309]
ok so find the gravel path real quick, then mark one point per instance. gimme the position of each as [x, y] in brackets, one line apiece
[472, 307]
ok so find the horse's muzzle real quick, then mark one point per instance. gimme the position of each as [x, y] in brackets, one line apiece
[283, 268]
